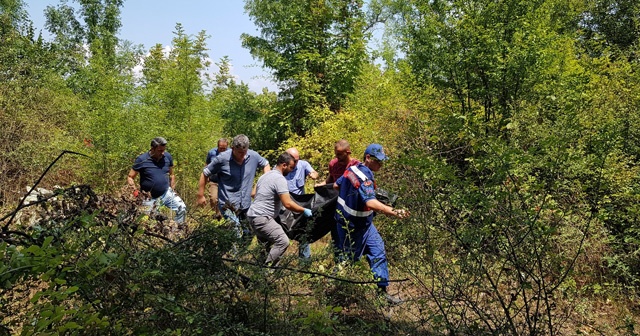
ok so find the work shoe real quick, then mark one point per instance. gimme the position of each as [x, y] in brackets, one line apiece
[391, 299]
[388, 298]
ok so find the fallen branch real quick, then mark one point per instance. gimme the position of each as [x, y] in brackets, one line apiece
[20, 205]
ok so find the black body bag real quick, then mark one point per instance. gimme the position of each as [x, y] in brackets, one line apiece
[323, 204]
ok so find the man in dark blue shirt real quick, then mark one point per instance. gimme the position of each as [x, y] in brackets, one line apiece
[157, 179]
[223, 144]
[356, 234]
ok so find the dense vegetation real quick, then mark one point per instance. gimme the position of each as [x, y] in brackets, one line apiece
[513, 128]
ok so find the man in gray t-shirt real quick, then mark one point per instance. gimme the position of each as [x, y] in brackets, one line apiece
[272, 192]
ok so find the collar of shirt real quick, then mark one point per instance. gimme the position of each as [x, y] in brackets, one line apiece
[153, 159]
[244, 159]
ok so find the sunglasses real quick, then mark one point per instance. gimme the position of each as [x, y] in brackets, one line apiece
[375, 159]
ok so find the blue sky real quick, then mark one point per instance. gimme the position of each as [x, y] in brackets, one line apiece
[148, 22]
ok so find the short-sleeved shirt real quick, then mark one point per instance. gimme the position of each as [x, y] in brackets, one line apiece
[337, 168]
[154, 175]
[357, 186]
[235, 181]
[210, 155]
[268, 190]
[296, 178]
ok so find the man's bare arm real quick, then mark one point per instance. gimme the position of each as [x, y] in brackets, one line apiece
[329, 179]
[288, 203]
[172, 179]
[380, 207]
[131, 178]
[200, 200]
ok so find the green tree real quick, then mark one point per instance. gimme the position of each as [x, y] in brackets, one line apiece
[245, 112]
[173, 80]
[94, 26]
[315, 50]
[38, 112]
[611, 23]
[172, 102]
[13, 15]
[488, 55]
[100, 70]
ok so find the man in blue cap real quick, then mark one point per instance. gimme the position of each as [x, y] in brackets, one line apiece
[356, 234]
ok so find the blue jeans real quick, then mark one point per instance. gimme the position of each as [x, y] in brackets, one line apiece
[242, 231]
[304, 251]
[172, 201]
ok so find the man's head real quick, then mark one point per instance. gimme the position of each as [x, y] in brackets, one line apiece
[223, 144]
[295, 154]
[342, 151]
[158, 146]
[239, 147]
[286, 163]
[374, 156]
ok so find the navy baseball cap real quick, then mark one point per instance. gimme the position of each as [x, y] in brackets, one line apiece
[376, 151]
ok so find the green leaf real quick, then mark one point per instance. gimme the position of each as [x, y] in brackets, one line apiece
[71, 289]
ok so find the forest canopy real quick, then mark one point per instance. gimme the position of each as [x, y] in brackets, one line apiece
[512, 127]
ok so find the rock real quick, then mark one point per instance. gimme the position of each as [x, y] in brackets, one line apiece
[36, 194]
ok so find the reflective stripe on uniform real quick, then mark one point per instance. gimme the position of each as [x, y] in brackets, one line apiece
[358, 172]
[353, 212]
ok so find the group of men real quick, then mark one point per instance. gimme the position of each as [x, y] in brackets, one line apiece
[230, 173]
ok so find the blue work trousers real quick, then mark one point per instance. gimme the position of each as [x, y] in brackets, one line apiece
[353, 243]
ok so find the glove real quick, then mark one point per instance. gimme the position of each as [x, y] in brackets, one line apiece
[307, 212]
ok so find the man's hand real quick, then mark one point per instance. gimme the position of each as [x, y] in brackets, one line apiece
[200, 200]
[401, 213]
